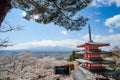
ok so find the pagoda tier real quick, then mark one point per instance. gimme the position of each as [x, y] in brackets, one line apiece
[95, 64]
[96, 61]
[93, 46]
[98, 52]
[94, 52]
[98, 71]
[92, 56]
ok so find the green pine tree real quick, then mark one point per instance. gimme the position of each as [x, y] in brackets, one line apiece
[60, 12]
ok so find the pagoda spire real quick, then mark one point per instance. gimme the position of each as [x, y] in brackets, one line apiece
[90, 38]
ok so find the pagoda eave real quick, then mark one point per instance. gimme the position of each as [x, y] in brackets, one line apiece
[80, 46]
[99, 52]
[94, 68]
[96, 62]
[98, 44]
[100, 71]
[93, 43]
[94, 52]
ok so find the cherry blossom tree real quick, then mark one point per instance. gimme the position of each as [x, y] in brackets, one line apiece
[25, 66]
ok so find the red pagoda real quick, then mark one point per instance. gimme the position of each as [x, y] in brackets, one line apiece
[92, 63]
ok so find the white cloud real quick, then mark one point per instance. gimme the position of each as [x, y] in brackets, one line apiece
[32, 16]
[117, 2]
[97, 20]
[45, 43]
[24, 13]
[35, 17]
[68, 43]
[64, 32]
[113, 22]
[100, 3]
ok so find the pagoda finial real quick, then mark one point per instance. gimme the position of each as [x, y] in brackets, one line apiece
[90, 39]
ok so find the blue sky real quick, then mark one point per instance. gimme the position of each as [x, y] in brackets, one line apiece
[104, 20]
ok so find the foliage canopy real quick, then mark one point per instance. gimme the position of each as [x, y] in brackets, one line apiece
[60, 12]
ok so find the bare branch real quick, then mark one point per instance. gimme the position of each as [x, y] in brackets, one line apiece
[8, 28]
[4, 43]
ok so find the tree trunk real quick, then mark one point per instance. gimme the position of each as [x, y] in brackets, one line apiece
[5, 6]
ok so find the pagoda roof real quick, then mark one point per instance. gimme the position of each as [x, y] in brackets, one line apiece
[100, 71]
[99, 52]
[94, 52]
[105, 71]
[96, 61]
[94, 43]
